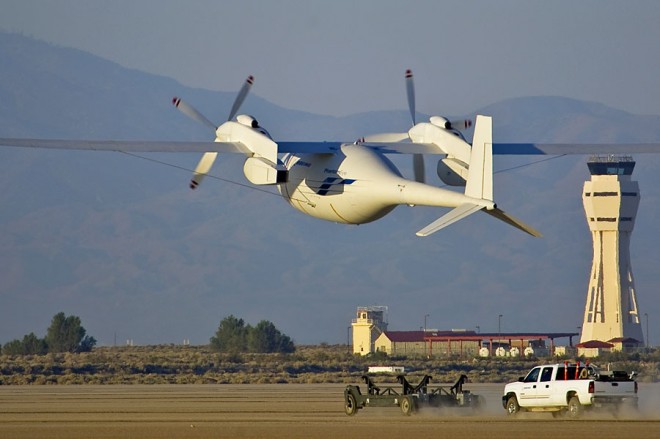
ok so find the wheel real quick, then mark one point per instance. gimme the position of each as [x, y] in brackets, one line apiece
[407, 405]
[575, 409]
[350, 405]
[512, 407]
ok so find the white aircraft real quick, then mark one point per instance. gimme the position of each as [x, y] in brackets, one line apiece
[355, 183]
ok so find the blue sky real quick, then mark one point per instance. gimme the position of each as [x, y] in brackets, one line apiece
[344, 57]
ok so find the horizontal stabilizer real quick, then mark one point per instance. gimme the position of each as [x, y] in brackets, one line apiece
[451, 217]
[515, 222]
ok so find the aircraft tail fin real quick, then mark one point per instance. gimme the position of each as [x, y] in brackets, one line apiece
[480, 173]
[479, 185]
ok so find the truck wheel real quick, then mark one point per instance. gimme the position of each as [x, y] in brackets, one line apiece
[407, 405]
[350, 405]
[575, 409]
[512, 407]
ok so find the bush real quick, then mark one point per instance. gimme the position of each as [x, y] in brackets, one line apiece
[30, 345]
[233, 336]
[66, 334]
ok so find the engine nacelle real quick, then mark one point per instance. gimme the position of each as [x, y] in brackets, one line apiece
[452, 171]
[251, 122]
[440, 121]
[247, 120]
[261, 171]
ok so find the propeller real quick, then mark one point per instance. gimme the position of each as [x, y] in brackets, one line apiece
[418, 159]
[454, 126]
[204, 165]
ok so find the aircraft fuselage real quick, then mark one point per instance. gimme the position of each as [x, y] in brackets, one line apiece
[356, 185]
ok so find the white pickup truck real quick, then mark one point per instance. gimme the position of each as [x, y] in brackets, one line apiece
[569, 389]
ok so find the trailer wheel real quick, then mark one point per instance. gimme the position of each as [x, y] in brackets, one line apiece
[575, 409]
[512, 407]
[350, 405]
[407, 405]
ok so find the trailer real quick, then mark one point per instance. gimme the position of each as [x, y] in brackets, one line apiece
[409, 398]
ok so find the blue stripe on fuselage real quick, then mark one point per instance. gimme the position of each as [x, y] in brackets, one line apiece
[329, 182]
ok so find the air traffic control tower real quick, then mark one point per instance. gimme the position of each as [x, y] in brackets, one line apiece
[610, 202]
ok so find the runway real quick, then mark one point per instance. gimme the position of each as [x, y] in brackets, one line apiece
[279, 411]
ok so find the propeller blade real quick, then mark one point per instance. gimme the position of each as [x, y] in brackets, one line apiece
[203, 168]
[410, 90]
[418, 159]
[192, 113]
[418, 168]
[242, 94]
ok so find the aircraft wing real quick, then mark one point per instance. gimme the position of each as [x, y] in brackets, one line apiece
[404, 148]
[128, 145]
[309, 147]
[226, 147]
[384, 147]
[524, 148]
[401, 147]
[574, 148]
[166, 146]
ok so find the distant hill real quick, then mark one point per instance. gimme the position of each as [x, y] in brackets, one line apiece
[122, 243]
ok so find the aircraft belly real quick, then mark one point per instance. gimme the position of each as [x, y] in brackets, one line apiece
[350, 206]
[346, 188]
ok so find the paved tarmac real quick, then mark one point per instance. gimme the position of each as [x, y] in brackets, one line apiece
[281, 411]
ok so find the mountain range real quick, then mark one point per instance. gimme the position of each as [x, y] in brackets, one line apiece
[121, 241]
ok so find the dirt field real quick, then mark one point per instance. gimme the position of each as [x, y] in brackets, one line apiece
[278, 411]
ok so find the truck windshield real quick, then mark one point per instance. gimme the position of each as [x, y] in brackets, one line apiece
[533, 375]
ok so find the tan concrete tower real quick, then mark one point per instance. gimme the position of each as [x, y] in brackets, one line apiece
[610, 202]
[371, 321]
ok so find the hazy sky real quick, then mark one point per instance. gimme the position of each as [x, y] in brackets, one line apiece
[343, 57]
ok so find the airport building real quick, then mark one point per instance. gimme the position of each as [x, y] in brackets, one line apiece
[370, 335]
[610, 202]
[369, 324]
